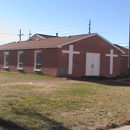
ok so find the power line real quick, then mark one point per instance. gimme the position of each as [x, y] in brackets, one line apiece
[72, 31]
[7, 34]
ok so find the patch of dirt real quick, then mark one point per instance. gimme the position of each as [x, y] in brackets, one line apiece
[24, 81]
[45, 85]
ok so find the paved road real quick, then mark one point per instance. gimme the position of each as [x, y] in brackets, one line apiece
[122, 128]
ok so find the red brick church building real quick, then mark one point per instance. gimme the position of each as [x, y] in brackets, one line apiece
[76, 56]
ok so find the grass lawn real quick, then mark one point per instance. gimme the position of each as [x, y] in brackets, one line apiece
[29, 102]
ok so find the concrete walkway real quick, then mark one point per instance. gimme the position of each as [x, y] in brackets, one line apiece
[122, 128]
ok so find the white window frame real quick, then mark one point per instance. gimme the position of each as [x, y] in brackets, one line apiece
[5, 53]
[19, 68]
[35, 69]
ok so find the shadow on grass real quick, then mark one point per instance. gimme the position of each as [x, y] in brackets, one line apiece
[50, 123]
[9, 125]
[103, 81]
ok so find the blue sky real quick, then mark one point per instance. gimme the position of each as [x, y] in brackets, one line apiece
[109, 18]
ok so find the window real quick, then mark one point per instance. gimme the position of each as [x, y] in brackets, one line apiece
[20, 60]
[6, 60]
[37, 64]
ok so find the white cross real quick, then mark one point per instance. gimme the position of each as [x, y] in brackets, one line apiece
[70, 52]
[111, 55]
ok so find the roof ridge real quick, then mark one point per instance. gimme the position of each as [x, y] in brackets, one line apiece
[80, 35]
[45, 35]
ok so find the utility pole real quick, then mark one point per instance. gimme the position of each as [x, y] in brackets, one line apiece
[89, 26]
[129, 45]
[20, 34]
[30, 34]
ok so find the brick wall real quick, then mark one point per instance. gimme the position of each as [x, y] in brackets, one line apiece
[93, 45]
[49, 61]
[124, 65]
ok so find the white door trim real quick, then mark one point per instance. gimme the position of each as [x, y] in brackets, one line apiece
[90, 64]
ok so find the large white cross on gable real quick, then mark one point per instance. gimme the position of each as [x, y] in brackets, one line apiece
[111, 55]
[70, 52]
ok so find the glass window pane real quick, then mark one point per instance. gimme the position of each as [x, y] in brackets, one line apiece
[7, 64]
[7, 57]
[38, 58]
[21, 57]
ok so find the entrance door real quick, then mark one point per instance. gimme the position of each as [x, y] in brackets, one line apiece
[92, 64]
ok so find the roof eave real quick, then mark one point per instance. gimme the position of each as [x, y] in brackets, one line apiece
[75, 40]
[91, 36]
[110, 43]
[28, 48]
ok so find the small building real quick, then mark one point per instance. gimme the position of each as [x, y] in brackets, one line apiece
[73, 56]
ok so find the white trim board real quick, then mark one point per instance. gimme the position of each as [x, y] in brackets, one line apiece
[75, 40]
[36, 34]
[40, 36]
[35, 69]
[91, 36]
[6, 52]
[18, 60]
[110, 43]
